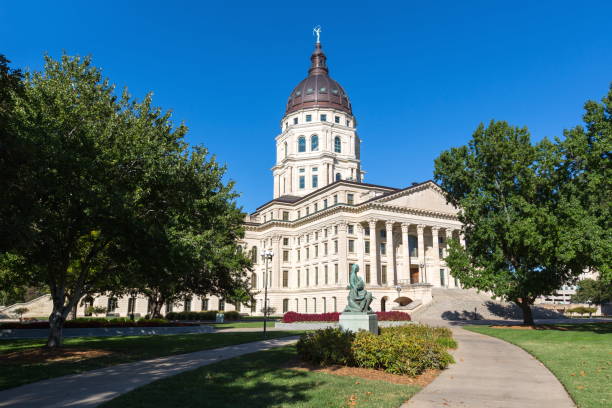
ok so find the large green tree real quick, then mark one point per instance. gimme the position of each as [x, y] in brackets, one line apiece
[524, 236]
[593, 291]
[94, 174]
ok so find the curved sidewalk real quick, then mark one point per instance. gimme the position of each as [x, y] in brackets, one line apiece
[491, 373]
[92, 388]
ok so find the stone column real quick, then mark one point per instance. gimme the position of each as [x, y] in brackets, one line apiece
[436, 255]
[421, 254]
[290, 180]
[342, 254]
[275, 268]
[391, 277]
[406, 251]
[374, 268]
[361, 249]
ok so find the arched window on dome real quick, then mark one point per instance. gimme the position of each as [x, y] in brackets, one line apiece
[286, 149]
[338, 176]
[301, 144]
[314, 143]
[337, 145]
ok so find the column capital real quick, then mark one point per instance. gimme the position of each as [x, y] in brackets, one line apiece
[420, 228]
[449, 233]
[389, 224]
[435, 229]
[372, 221]
[405, 227]
[342, 226]
[276, 238]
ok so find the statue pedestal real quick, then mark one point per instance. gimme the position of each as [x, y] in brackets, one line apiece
[355, 321]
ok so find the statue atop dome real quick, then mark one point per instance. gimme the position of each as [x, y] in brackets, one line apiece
[317, 31]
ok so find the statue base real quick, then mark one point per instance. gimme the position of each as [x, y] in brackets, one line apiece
[355, 321]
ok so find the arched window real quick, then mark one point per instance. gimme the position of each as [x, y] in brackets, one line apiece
[337, 145]
[286, 149]
[254, 254]
[254, 281]
[338, 176]
[314, 143]
[301, 144]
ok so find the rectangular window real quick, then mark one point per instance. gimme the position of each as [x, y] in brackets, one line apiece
[302, 170]
[285, 305]
[367, 274]
[366, 248]
[336, 199]
[299, 278]
[413, 244]
[307, 210]
[336, 273]
[325, 232]
[307, 238]
[307, 277]
[442, 276]
[221, 305]
[316, 205]
[316, 275]
[366, 231]
[348, 123]
[204, 305]
[350, 199]
[169, 307]
[383, 248]
[285, 256]
[285, 241]
[285, 279]
[323, 118]
[316, 247]
[295, 121]
[351, 229]
[299, 214]
[298, 255]
[325, 249]
[383, 274]
[335, 230]
[302, 182]
[326, 277]
[316, 235]
[337, 119]
[132, 305]
[187, 305]
[315, 181]
[308, 118]
[441, 252]
[335, 247]
[351, 245]
[285, 215]
[383, 233]
[325, 203]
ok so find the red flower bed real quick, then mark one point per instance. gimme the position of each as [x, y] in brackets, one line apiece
[293, 317]
[95, 323]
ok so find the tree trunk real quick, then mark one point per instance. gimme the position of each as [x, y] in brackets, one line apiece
[156, 304]
[527, 313]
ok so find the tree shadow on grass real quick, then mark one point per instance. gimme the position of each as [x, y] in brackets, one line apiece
[597, 328]
[463, 315]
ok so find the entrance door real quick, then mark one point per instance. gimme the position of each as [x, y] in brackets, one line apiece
[442, 283]
[383, 304]
[414, 275]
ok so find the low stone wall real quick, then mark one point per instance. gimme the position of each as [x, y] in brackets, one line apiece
[325, 325]
[104, 332]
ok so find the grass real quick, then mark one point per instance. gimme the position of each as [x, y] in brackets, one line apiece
[580, 357]
[261, 380]
[234, 325]
[123, 349]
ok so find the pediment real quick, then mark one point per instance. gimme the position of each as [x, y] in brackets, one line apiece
[427, 196]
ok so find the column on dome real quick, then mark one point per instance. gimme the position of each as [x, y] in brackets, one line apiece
[342, 254]
[421, 253]
[276, 261]
[391, 277]
[405, 252]
[436, 255]
[374, 268]
[290, 180]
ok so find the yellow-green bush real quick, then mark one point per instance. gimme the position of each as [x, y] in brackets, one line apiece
[407, 350]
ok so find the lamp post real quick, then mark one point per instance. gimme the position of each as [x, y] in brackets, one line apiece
[424, 269]
[267, 256]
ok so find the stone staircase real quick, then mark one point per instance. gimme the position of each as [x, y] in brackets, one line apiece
[468, 304]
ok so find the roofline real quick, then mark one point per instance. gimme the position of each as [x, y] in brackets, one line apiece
[327, 187]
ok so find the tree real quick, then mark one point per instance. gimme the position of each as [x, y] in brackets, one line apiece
[593, 291]
[20, 311]
[523, 235]
[95, 173]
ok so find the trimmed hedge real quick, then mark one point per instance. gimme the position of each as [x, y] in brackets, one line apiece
[407, 350]
[207, 315]
[293, 317]
[84, 323]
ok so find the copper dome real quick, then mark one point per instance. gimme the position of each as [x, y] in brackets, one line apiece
[318, 90]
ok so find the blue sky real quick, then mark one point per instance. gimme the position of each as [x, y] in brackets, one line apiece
[420, 75]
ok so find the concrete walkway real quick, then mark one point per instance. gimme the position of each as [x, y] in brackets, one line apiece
[494, 374]
[92, 388]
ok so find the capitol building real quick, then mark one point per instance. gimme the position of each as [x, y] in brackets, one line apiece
[323, 217]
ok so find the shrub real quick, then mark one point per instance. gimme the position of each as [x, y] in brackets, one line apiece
[232, 315]
[407, 350]
[96, 322]
[198, 316]
[293, 317]
[326, 347]
[393, 315]
[581, 310]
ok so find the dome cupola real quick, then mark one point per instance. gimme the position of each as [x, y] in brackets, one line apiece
[318, 89]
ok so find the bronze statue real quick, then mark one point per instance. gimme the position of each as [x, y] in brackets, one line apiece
[359, 299]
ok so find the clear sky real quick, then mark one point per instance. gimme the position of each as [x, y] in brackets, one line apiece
[420, 75]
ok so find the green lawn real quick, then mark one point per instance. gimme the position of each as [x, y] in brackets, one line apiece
[125, 349]
[580, 357]
[232, 325]
[259, 380]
